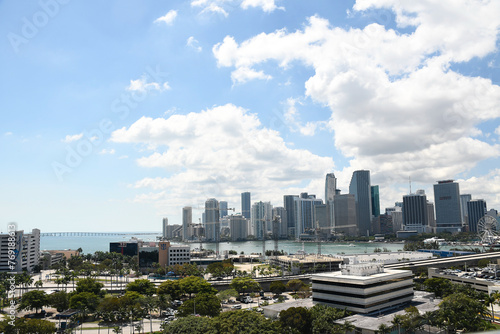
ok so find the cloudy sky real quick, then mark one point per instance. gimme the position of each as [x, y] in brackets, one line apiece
[115, 114]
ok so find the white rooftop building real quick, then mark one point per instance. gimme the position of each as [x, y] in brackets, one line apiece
[363, 288]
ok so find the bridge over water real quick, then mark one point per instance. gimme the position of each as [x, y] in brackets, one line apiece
[92, 234]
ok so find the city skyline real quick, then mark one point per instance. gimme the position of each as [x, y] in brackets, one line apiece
[118, 115]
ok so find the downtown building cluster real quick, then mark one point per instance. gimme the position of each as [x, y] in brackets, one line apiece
[357, 213]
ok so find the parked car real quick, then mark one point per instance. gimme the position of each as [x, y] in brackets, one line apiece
[236, 307]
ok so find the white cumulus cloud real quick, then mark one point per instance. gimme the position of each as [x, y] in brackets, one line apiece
[168, 18]
[72, 138]
[142, 85]
[266, 5]
[218, 152]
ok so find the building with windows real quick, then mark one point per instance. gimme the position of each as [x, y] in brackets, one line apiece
[304, 214]
[187, 223]
[476, 209]
[212, 222]
[345, 215]
[415, 217]
[375, 201]
[447, 205]
[222, 209]
[238, 227]
[280, 212]
[360, 187]
[26, 247]
[164, 227]
[464, 198]
[289, 204]
[262, 215]
[363, 288]
[170, 255]
[246, 205]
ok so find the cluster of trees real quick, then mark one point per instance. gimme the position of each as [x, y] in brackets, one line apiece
[298, 320]
[27, 326]
[462, 308]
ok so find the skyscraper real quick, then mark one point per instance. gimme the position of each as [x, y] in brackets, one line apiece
[464, 198]
[289, 204]
[361, 189]
[262, 214]
[165, 228]
[281, 212]
[187, 221]
[330, 187]
[415, 217]
[476, 209]
[212, 223]
[375, 201]
[447, 203]
[246, 206]
[223, 208]
[238, 227]
[304, 213]
[345, 215]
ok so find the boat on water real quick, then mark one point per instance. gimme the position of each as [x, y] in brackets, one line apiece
[351, 245]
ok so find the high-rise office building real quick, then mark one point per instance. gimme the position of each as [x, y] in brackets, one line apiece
[222, 209]
[415, 217]
[238, 227]
[464, 198]
[321, 221]
[397, 217]
[262, 215]
[246, 205]
[212, 222]
[360, 187]
[345, 214]
[304, 214]
[289, 204]
[447, 203]
[164, 228]
[431, 217]
[375, 201]
[280, 212]
[476, 209]
[187, 222]
[330, 187]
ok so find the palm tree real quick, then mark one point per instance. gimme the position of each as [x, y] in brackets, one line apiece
[383, 329]
[38, 284]
[490, 300]
[397, 321]
[428, 318]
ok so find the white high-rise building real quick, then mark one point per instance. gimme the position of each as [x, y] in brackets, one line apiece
[212, 222]
[26, 250]
[261, 217]
[165, 228]
[187, 223]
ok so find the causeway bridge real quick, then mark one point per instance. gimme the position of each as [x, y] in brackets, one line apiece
[92, 234]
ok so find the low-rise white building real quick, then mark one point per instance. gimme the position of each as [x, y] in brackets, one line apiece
[363, 288]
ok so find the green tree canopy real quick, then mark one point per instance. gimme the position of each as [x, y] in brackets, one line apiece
[240, 321]
[460, 312]
[295, 285]
[142, 286]
[190, 325]
[59, 300]
[227, 294]
[244, 285]
[205, 304]
[277, 287]
[27, 326]
[171, 288]
[84, 301]
[324, 317]
[91, 285]
[194, 285]
[33, 300]
[298, 318]
[441, 287]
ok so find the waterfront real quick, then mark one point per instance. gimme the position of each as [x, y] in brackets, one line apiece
[91, 244]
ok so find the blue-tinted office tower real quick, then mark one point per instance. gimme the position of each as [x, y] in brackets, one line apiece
[375, 201]
[223, 209]
[476, 209]
[289, 205]
[360, 187]
[246, 207]
[415, 216]
[447, 204]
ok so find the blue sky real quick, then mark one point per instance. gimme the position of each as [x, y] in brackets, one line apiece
[115, 114]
